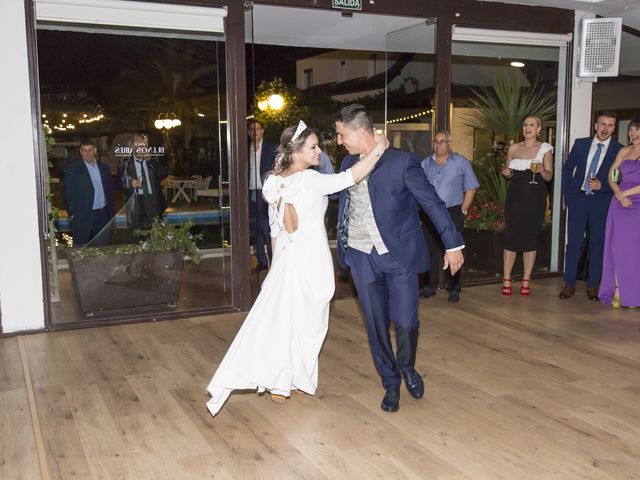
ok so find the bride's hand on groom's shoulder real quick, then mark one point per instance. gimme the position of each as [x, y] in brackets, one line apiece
[380, 139]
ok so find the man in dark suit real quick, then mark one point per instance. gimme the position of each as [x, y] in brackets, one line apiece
[89, 197]
[140, 176]
[380, 239]
[587, 195]
[262, 155]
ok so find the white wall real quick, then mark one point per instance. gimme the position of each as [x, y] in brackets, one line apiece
[581, 93]
[21, 296]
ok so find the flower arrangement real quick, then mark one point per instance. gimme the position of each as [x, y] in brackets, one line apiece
[489, 216]
[160, 237]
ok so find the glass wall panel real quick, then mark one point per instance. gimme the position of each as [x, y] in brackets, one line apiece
[410, 90]
[136, 125]
[341, 60]
[483, 135]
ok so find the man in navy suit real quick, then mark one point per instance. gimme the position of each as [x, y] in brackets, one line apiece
[89, 197]
[262, 155]
[587, 195]
[380, 239]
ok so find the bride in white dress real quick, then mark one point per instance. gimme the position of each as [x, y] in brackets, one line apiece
[277, 347]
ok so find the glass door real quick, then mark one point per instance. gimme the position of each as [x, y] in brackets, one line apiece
[535, 66]
[134, 115]
[410, 87]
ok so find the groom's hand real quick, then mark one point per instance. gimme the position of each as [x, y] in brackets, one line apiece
[453, 260]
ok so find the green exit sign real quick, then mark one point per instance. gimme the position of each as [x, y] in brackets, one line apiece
[347, 4]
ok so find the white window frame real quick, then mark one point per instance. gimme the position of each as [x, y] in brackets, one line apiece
[125, 13]
[465, 34]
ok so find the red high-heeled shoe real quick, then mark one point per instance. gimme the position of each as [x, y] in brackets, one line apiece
[506, 289]
[525, 290]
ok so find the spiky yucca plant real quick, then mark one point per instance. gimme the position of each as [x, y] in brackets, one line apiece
[504, 107]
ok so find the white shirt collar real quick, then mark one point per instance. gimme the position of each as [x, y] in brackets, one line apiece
[596, 141]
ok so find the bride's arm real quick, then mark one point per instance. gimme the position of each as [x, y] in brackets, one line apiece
[362, 167]
[328, 184]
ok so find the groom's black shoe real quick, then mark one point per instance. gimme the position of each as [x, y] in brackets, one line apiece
[391, 400]
[413, 381]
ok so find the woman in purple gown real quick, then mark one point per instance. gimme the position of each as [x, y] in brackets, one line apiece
[619, 285]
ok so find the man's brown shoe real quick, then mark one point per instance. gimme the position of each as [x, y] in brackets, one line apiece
[592, 293]
[567, 292]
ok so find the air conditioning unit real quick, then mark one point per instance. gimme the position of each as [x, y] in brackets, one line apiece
[599, 47]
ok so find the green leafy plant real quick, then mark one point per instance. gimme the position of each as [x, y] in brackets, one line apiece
[275, 121]
[160, 237]
[493, 185]
[503, 107]
[489, 216]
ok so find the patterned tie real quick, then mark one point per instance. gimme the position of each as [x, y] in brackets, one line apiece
[343, 225]
[593, 168]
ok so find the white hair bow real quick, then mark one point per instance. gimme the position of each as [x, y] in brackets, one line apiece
[301, 128]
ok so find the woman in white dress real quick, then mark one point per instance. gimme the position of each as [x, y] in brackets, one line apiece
[277, 347]
[529, 166]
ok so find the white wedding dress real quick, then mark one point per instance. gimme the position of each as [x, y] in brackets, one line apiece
[277, 347]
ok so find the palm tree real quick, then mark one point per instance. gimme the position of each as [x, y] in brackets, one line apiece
[172, 82]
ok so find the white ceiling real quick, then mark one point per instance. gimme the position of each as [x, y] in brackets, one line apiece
[629, 10]
[275, 25]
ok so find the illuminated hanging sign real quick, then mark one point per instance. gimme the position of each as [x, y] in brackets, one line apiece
[347, 4]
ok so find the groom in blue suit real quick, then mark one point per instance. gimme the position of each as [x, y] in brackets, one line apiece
[587, 195]
[380, 239]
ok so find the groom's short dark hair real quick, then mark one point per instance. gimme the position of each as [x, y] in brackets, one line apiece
[356, 116]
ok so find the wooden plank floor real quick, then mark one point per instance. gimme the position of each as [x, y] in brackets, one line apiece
[517, 388]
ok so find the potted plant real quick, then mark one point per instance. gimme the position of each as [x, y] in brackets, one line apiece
[127, 276]
[484, 237]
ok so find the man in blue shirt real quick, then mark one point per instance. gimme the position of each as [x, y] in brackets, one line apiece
[89, 197]
[455, 183]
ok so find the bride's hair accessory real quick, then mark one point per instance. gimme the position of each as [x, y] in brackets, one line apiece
[301, 128]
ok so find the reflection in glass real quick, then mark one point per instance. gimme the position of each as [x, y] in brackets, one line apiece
[154, 109]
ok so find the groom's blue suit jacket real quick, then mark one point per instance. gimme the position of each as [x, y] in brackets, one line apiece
[397, 184]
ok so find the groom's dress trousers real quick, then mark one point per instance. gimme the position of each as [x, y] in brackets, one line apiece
[385, 288]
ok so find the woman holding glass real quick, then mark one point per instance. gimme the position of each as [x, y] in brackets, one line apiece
[529, 165]
[621, 261]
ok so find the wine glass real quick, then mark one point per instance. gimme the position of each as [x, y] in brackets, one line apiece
[592, 176]
[535, 166]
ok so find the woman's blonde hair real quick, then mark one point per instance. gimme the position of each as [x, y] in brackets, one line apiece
[537, 119]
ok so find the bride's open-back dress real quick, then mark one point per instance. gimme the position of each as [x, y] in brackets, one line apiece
[277, 347]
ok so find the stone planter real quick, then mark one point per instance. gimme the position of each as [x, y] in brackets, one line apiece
[127, 280]
[483, 251]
